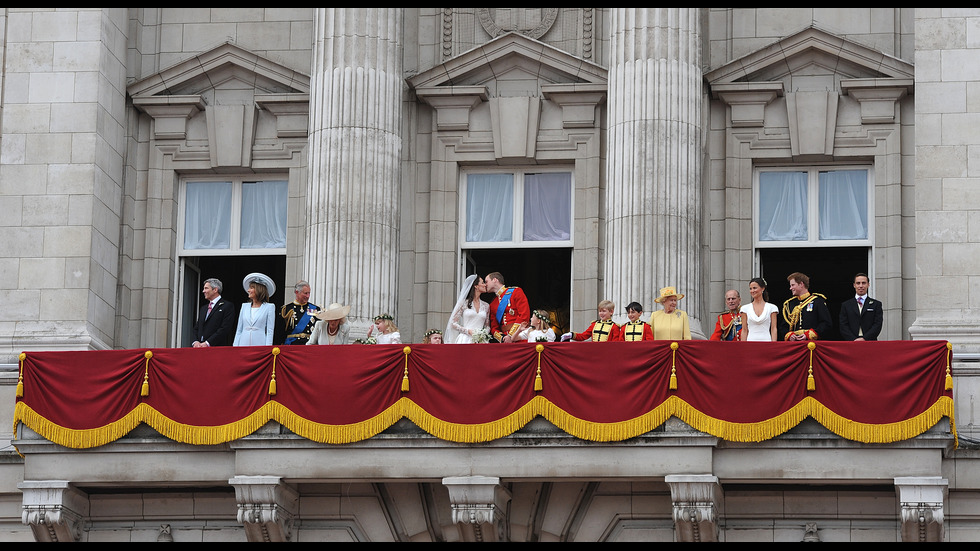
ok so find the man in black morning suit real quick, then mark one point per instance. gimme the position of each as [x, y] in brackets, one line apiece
[216, 322]
[860, 317]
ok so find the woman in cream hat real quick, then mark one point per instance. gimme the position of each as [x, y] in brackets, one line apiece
[257, 317]
[670, 323]
[332, 327]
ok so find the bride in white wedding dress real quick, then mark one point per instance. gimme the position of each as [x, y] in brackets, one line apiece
[471, 313]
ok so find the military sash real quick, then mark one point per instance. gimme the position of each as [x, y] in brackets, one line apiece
[502, 305]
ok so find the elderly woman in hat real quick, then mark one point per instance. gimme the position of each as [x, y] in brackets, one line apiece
[670, 323]
[332, 327]
[257, 317]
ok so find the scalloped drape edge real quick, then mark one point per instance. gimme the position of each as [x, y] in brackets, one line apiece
[485, 432]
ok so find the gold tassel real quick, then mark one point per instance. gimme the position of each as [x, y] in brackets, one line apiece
[145, 389]
[538, 383]
[673, 366]
[407, 350]
[272, 382]
[811, 385]
[949, 374]
[20, 378]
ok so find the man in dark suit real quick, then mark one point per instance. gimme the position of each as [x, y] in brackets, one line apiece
[216, 322]
[860, 317]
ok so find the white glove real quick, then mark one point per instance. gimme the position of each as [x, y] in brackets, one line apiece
[566, 337]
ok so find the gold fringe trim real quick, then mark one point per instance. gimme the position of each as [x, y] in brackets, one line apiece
[485, 432]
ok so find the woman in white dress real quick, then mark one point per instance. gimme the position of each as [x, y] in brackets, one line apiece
[257, 318]
[759, 316]
[470, 315]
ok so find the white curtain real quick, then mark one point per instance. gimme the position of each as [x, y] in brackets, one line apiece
[207, 215]
[783, 206]
[264, 214]
[844, 204]
[489, 207]
[548, 206]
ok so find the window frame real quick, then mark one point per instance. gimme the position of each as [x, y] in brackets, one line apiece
[813, 207]
[517, 230]
[234, 248]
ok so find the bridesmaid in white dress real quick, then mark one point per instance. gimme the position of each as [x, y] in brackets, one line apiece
[759, 316]
[470, 315]
[256, 319]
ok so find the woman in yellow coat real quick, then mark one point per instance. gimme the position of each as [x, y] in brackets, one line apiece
[670, 323]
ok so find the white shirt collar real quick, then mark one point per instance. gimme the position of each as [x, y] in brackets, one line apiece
[863, 297]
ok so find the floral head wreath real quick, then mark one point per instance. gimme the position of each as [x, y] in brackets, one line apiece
[384, 317]
[431, 332]
[541, 316]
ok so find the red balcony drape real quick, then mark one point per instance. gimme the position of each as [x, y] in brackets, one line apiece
[869, 391]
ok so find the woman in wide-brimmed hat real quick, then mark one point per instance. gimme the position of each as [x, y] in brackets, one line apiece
[257, 317]
[670, 323]
[332, 327]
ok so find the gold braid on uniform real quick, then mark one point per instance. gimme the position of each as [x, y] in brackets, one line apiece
[792, 317]
[726, 328]
[287, 313]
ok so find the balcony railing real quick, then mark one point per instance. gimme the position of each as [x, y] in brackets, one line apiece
[872, 392]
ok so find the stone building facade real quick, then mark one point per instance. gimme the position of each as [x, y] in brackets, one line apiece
[659, 132]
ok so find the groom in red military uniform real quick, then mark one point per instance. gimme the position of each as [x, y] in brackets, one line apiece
[508, 310]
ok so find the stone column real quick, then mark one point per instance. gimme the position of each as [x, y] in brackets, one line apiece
[356, 90]
[653, 197]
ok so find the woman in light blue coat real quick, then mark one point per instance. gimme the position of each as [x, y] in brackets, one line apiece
[257, 318]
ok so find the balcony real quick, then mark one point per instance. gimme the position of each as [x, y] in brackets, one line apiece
[483, 430]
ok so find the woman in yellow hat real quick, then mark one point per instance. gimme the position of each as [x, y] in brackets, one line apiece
[670, 323]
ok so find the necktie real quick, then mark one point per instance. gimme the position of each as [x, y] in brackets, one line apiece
[861, 301]
[210, 306]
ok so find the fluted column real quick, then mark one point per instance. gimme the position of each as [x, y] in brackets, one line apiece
[653, 180]
[355, 148]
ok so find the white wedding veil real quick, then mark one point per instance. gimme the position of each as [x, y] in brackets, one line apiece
[450, 334]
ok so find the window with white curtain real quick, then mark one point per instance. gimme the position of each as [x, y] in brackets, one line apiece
[231, 216]
[815, 206]
[516, 208]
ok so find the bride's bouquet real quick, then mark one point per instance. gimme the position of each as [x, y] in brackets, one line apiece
[481, 336]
